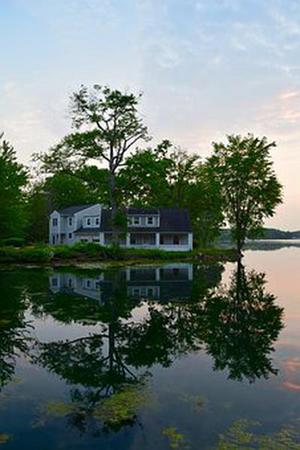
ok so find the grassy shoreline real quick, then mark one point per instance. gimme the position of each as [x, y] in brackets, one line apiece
[94, 253]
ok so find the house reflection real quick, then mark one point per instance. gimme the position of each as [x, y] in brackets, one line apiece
[171, 281]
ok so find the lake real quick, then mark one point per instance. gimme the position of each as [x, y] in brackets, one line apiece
[158, 357]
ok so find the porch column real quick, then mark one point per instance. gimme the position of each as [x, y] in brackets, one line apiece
[157, 240]
[128, 240]
[190, 241]
[157, 274]
[101, 238]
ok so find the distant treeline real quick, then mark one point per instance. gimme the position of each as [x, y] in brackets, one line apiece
[267, 233]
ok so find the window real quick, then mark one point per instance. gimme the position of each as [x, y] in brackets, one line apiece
[70, 221]
[53, 240]
[88, 221]
[176, 240]
[70, 235]
[54, 282]
[54, 222]
[136, 220]
[150, 220]
[97, 220]
[96, 240]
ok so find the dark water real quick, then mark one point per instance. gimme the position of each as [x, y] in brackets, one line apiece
[176, 356]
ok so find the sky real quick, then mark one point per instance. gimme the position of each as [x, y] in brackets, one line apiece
[207, 68]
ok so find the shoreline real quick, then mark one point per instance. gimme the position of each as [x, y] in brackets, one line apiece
[95, 255]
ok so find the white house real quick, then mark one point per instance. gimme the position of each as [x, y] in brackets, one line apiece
[169, 282]
[164, 228]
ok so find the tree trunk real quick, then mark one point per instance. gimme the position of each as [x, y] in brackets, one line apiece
[113, 205]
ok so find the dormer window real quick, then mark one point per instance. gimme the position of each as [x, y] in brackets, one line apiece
[70, 221]
[54, 222]
[136, 220]
[97, 220]
[88, 221]
[150, 220]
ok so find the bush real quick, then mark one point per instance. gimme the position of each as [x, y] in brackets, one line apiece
[13, 241]
[25, 254]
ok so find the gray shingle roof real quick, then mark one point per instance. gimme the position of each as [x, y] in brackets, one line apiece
[74, 209]
[171, 219]
[143, 211]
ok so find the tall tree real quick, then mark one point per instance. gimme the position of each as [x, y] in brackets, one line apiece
[107, 125]
[249, 186]
[13, 178]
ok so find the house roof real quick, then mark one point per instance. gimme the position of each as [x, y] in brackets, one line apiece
[143, 211]
[74, 209]
[174, 219]
[171, 219]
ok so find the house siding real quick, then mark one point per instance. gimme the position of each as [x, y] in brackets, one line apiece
[169, 229]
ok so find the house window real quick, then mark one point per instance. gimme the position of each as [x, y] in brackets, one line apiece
[70, 235]
[136, 220]
[70, 221]
[54, 282]
[53, 239]
[88, 221]
[97, 220]
[176, 240]
[54, 222]
[150, 220]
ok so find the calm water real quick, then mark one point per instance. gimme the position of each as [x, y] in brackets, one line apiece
[175, 356]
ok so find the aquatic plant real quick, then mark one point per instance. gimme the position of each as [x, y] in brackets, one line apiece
[238, 437]
[4, 438]
[120, 408]
[59, 409]
[176, 440]
[196, 401]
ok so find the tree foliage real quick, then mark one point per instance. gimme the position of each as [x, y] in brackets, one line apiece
[249, 186]
[13, 178]
[107, 126]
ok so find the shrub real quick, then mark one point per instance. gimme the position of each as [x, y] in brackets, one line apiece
[13, 241]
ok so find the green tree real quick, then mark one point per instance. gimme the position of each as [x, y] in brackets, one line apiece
[58, 191]
[249, 186]
[64, 190]
[13, 178]
[144, 181]
[107, 127]
[165, 176]
[37, 213]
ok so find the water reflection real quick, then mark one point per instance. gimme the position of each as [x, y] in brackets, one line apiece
[243, 322]
[131, 320]
[182, 309]
[14, 337]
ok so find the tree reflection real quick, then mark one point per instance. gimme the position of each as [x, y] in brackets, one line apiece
[237, 326]
[242, 322]
[13, 326]
[95, 363]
